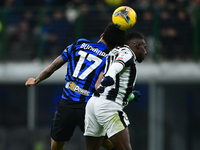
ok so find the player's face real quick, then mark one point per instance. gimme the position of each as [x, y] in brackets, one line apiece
[141, 51]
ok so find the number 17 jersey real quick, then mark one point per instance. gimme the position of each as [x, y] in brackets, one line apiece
[86, 60]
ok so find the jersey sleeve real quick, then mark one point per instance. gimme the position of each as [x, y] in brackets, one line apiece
[67, 51]
[114, 69]
[125, 57]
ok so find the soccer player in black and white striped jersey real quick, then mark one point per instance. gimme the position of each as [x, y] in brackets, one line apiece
[104, 111]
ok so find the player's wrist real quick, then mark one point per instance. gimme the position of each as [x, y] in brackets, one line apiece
[137, 95]
[131, 97]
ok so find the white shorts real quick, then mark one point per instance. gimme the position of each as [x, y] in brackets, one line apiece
[104, 117]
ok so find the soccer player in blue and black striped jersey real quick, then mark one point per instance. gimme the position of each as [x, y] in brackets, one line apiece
[86, 62]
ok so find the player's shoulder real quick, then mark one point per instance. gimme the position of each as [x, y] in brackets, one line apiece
[83, 40]
[126, 54]
[78, 42]
[126, 48]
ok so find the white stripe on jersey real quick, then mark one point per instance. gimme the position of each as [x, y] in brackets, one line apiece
[124, 80]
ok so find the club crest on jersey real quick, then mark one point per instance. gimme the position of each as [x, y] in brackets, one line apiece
[72, 86]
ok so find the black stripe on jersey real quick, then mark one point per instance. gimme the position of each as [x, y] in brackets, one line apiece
[122, 118]
[73, 60]
[64, 55]
[67, 97]
[88, 84]
[130, 62]
[130, 83]
[112, 94]
[109, 61]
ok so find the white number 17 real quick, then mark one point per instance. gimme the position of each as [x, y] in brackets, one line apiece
[90, 57]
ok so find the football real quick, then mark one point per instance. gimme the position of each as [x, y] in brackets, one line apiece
[124, 17]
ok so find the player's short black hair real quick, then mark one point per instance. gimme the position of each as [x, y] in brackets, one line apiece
[133, 35]
[114, 36]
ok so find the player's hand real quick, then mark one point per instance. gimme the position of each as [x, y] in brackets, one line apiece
[137, 96]
[99, 90]
[107, 81]
[30, 82]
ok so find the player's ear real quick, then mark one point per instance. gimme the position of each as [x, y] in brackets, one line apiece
[102, 35]
[138, 46]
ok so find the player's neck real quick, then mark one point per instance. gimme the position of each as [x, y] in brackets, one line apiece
[101, 40]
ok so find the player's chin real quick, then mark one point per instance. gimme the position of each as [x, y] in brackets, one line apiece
[140, 60]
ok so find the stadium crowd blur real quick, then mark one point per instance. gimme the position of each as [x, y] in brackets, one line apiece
[35, 30]
[43, 28]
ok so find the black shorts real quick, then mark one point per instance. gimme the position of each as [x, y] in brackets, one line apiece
[65, 121]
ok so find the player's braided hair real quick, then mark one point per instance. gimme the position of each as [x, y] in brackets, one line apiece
[114, 36]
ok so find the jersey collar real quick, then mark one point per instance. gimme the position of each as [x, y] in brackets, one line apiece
[103, 44]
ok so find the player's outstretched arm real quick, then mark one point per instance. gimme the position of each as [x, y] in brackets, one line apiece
[47, 72]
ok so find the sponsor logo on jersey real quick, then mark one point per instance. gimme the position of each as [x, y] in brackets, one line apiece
[96, 50]
[72, 86]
